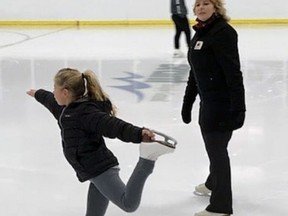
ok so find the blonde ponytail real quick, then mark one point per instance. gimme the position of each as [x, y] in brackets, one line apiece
[94, 89]
[82, 85]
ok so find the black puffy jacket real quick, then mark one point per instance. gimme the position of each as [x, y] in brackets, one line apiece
[215, 75]
[83, 124]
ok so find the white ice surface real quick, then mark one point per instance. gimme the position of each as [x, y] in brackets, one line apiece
[136, 68]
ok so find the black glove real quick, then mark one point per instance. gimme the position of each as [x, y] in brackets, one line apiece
[237, 120]
[186, 112]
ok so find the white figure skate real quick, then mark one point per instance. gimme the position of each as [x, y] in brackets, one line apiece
[207, 213]
[163, 144]
[202, 190]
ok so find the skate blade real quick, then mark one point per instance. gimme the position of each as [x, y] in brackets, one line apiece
[202, 194]
[168, 141]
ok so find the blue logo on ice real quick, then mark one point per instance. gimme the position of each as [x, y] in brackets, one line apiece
[133, 85]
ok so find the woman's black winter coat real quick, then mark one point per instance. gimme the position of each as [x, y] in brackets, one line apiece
[215, 75]
[83, 124]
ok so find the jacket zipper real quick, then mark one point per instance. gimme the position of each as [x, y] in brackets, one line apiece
[60, 123]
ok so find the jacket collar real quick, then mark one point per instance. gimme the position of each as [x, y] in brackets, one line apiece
[201, 24]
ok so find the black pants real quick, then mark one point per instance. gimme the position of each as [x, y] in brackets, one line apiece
[181, 24]
[219, 179]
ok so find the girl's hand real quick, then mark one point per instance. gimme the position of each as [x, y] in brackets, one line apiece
[147, 135]
[31, 92]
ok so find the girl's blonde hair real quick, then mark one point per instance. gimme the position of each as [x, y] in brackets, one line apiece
[81, 85]
[219, 7]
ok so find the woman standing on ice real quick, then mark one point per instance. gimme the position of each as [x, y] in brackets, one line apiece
[216, 77]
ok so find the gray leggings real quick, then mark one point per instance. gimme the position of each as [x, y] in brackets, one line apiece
[109, 186]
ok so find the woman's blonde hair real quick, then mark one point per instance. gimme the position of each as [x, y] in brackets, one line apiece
[81, 85]
[219, 7]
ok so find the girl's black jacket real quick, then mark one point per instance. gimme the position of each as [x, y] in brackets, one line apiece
[215, 75]
[83, 124]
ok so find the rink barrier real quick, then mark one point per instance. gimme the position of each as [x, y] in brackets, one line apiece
[127, 22]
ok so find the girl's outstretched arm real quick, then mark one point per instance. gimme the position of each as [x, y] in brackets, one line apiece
[47, 99]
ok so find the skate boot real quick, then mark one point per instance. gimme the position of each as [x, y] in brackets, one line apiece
[178, 54]
[207, 213]
[202, 190]
[153, 150]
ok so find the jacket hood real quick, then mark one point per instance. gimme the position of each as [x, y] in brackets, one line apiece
[104, 106]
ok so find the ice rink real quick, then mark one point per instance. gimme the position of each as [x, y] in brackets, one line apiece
[136, 67]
